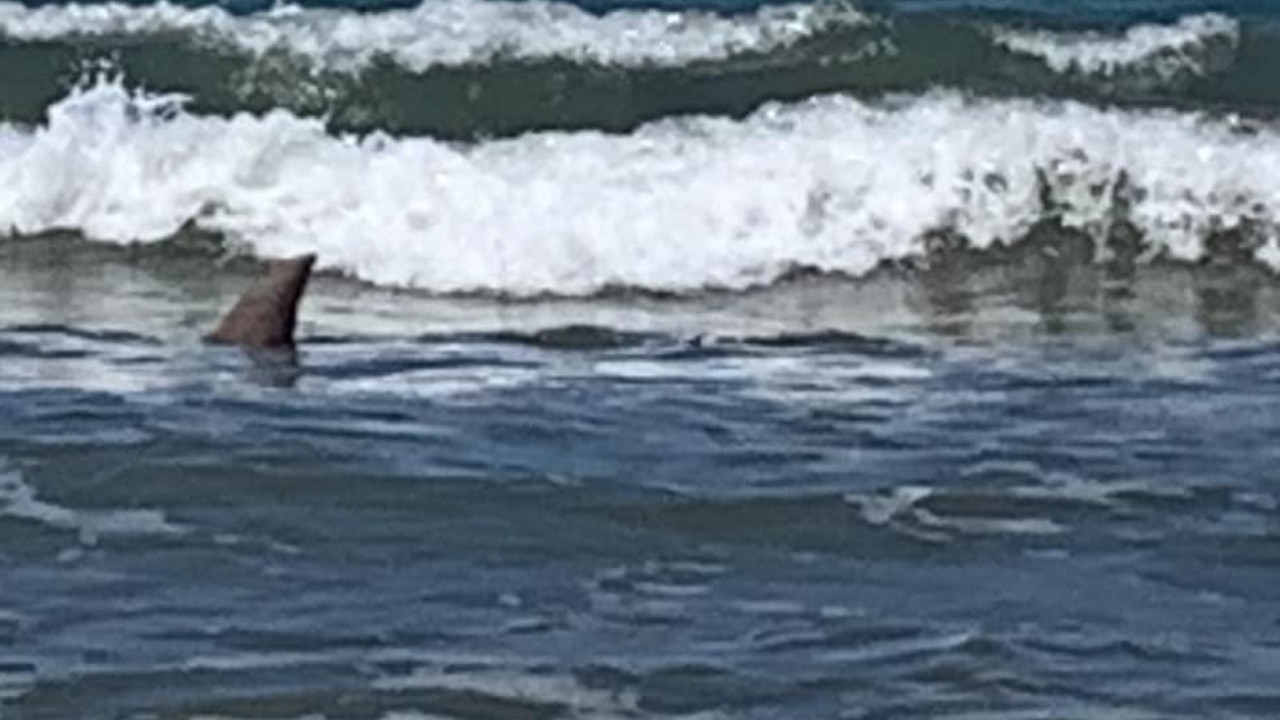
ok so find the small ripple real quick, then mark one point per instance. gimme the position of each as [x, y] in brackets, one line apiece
[1095, 647]
[16, 679]
[834, 340]
[69, 331]
[352, 683]
[386, 366]
[1060, 504]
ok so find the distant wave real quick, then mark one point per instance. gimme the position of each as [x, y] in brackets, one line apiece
[468, 32]
[832, 184]
[461, 32]
[442, 32]
[467, 69]
[1168, 50]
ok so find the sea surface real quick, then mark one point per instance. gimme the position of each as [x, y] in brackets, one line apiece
[690, 359]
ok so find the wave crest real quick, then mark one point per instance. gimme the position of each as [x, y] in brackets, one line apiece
[1190, 45]
[832, 184]
[444, 32]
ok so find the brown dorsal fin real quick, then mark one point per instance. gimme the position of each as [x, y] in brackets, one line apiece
[265, 316]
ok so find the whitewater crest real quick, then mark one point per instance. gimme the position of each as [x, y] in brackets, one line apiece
[473, 32]
[1193, 45]
[831, 184]
[443, 32]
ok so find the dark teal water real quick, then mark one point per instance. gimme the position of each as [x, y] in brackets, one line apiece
[912, 359]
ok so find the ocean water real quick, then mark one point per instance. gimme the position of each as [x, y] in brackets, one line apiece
[902, 359]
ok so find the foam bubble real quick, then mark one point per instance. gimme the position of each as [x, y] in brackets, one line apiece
[1168, 50]
[443, 32]
[682, 205]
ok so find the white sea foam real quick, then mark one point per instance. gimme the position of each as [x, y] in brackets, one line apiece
[19, 500]
[1167, 50]
[832, 183]
[443, 32]
[516, 683]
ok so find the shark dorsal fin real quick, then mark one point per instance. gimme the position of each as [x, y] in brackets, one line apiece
[265, 316]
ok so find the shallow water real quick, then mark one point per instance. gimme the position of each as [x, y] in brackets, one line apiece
[669, 359]
[1028, 495]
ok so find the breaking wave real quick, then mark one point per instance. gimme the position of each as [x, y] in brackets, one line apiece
[833, 185]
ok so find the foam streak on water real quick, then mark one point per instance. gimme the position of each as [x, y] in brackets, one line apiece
[20, 501]
[832, 184]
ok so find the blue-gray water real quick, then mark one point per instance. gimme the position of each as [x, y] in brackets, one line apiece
[912, 359]
[1038, 492]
